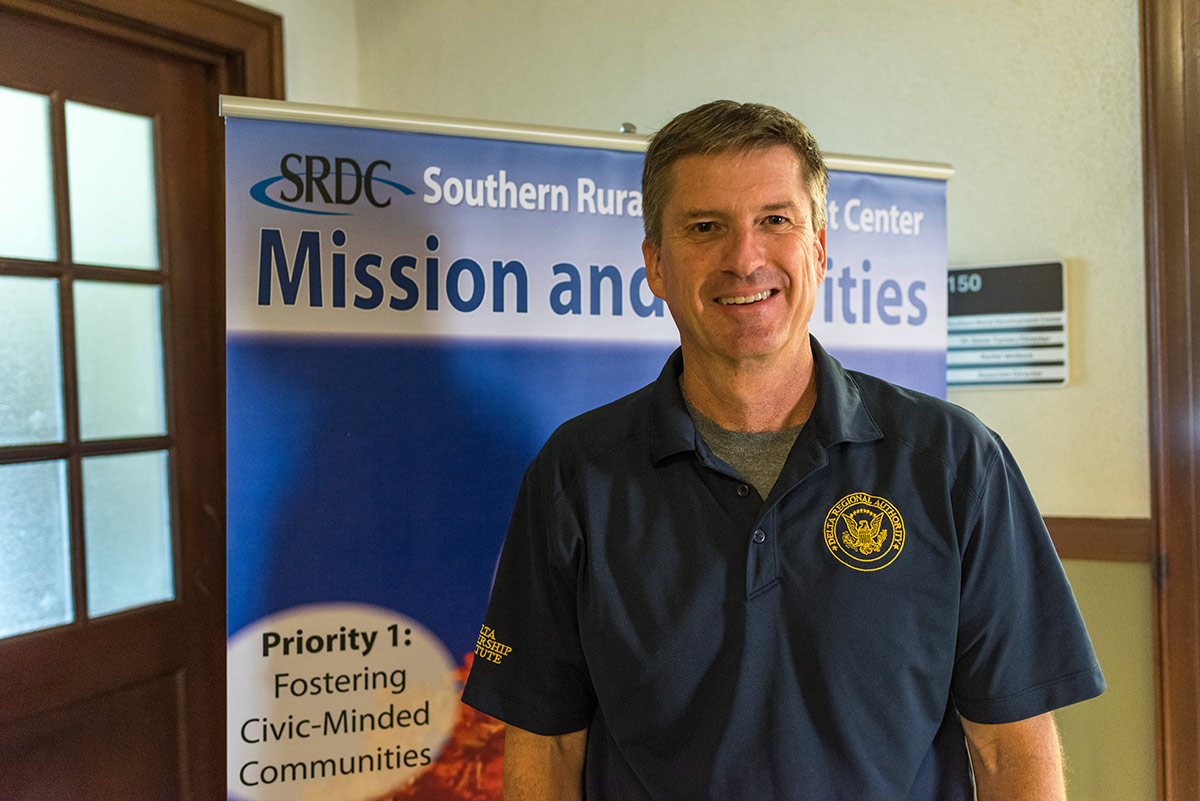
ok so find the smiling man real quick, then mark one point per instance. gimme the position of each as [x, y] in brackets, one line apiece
[738, 260]
[764, 576]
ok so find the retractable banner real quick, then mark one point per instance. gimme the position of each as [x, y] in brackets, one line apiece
[410, 314]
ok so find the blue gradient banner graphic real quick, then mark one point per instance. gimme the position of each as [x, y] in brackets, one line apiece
[409, 316]
[882, 308]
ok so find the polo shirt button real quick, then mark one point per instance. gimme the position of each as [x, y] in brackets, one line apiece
[743, 491]
[760, 536]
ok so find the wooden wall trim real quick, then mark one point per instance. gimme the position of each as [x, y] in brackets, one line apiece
[244, 43]
[1170, 36]
[1103, 538]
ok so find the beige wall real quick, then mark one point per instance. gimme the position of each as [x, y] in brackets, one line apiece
[320, 50]
[1034, 103]
[1109, 742]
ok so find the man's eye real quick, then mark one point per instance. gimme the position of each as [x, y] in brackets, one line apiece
[776, 219]
[703, 227]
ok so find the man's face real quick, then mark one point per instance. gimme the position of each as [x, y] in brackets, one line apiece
[739, 264]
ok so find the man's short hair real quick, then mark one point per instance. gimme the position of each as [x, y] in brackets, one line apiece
[724, 126]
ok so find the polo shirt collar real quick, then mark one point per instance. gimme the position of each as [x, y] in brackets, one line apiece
[839, 415]
[671, 428]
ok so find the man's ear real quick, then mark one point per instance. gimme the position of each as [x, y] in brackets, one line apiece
[821, 255]
[654, 276]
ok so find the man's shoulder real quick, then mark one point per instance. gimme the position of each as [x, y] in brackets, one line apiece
[604, 432]
[924, 422]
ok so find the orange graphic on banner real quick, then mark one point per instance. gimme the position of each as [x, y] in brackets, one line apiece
[471, 765]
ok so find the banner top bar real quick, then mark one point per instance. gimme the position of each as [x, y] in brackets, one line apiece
[261, 109]
[256, 108]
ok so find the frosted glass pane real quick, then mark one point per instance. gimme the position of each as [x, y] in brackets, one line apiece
[127, 531]
[27, 202]
[31, 388]
[35, 552]
[119, 344]
[110, 175]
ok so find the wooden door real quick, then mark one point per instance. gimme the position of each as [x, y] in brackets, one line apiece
[116, 692]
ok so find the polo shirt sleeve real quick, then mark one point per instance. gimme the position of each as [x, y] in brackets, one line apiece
[529, 669]
[1022, 647]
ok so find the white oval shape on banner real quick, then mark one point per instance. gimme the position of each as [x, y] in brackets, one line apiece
[340, 701]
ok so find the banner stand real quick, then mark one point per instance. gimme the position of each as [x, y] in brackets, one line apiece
[413, 305]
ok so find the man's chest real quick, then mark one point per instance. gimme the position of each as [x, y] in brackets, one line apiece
[847, 577]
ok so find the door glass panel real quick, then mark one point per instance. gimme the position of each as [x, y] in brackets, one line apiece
[118, 333]
[35, 553]
[30, 362]
[27, 202]
[110, 173]
[127, 531]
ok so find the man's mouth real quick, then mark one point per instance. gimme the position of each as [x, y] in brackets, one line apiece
[740, 300]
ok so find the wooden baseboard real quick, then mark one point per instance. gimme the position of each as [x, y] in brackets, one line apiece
[1109, 539]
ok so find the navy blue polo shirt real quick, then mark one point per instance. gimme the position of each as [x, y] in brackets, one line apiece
[820, 644]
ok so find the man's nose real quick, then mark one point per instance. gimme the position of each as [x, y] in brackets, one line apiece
[746, 250]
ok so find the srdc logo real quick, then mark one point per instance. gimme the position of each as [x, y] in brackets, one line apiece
[864, 532]
[314, 180]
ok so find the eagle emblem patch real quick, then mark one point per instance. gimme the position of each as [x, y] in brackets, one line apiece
[864, 532]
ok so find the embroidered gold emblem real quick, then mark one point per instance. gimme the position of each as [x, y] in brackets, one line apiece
[864, 532]
[487, 647]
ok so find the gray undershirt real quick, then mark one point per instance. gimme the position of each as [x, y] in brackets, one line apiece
[758, 456]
